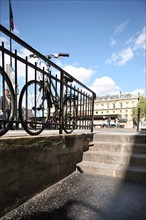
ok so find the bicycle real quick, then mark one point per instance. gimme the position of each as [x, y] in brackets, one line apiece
[31, 114]
[38, 97]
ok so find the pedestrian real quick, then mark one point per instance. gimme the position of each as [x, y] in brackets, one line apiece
[116, 122]
[5, 105]
[109, 122]
[134, 123]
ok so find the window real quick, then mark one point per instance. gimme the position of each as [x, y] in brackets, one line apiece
[102, 105]
[133, 104]
[121, 104]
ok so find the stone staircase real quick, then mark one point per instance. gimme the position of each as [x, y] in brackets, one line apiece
[116, 154]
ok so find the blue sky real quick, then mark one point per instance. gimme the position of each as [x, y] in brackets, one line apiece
[106, 39]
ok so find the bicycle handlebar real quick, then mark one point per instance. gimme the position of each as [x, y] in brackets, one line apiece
[32, 55]
[67, 79]
[64, 54]
[55, 55]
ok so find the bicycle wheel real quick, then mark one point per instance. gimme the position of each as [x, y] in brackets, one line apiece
[6, 116]
[33, 108]
[69, 115]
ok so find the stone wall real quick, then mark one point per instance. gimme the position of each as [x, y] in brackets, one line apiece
[28, 165]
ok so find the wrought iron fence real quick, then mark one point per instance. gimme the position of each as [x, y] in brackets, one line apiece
[42, 95]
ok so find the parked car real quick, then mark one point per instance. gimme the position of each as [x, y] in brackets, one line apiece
[112, 124]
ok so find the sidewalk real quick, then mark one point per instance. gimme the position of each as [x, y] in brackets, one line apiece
[21, 132]
[82, 196]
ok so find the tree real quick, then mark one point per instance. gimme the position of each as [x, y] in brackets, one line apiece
[142, 105]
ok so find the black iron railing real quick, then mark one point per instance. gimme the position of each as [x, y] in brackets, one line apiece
[42, 95]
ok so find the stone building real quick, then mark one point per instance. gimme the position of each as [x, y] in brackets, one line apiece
[115, 107]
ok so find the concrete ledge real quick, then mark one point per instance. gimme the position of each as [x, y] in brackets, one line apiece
[29, 164]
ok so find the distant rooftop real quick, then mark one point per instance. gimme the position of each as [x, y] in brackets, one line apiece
[118, 96]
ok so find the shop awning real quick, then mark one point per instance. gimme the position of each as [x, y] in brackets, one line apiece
[112, 116]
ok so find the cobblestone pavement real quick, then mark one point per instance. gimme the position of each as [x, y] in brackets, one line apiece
[82, 196]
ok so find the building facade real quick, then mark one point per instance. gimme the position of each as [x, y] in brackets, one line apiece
[115, 107]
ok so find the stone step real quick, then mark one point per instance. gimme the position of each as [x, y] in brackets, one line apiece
[120, 137]
[121, 155]
[135, 174]
[118, 147]
[120, 158]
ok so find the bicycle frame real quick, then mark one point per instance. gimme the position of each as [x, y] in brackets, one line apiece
[49, 88]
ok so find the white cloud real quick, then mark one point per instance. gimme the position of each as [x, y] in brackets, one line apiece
[80, 73]
[138, 91]
[140, 41]
[105, 86]
[125, 56]
[134, 43]
[121, 58]
[24, 52]
[121, 27]
[113, 41]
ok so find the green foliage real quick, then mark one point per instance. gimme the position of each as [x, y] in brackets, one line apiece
[142, 106]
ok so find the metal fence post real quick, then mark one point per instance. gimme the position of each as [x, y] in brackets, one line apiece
[61, 103]
[138, 119]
